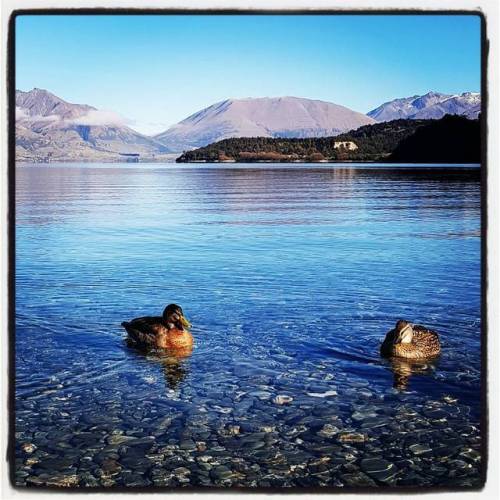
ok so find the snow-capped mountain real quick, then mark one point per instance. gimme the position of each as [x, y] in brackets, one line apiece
[431, 105]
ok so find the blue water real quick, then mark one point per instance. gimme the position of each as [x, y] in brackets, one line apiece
[290, 275]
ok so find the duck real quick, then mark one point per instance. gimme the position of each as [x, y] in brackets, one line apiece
[168, 331]
[410, 341]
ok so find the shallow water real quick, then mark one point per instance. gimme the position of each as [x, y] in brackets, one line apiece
[291, 276]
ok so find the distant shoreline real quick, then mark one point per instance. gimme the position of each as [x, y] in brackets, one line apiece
[347, 164]
[327, 162]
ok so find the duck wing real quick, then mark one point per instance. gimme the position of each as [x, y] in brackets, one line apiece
[422, 331]
[387, 344]
[143, 330]
[428, 339]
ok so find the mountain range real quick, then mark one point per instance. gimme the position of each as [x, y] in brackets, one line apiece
[432, 105]
[49, 128]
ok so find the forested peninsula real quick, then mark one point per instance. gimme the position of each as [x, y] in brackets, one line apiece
[451, 139]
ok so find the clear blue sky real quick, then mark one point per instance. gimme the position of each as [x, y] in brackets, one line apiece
[156, 70]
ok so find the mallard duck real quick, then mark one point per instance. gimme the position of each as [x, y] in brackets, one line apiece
[168, 331]
[411, 341]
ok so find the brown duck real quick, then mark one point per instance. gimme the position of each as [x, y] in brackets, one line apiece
[411, 341]
[168, 331]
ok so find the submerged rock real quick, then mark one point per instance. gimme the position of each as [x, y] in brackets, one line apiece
[326, 394]
[282, 399]
[62, 481]
[471, 455]
[352, 437]
[328, 430]
[420, 449]
[28, 447]
[357, 480]
[379, 469]
[220, 473]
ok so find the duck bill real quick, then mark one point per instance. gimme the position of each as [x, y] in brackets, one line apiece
[185, 322]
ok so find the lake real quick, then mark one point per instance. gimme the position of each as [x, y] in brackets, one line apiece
[291, 276]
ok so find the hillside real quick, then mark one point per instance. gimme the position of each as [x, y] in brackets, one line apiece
[379, 142]
[49, 128]
[262, 117]
[453, 139]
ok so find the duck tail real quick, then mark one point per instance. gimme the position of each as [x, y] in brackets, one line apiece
[125, 324]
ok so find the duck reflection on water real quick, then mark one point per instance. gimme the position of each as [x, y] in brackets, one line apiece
[403, 369]
[174, 365]
[173, 362]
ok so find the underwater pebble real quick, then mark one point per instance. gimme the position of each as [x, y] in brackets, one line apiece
[357, 479]
[201, 446]
[28, 447]
[363, 415]
[471, 455]
[282, 399]
[379, 469]
[221, 472]
[326, 394]
[262, 395]
[352, 437]
[110, 467]
[62, 481]
[420, 449]
[328, 430]
[267, 428]
[233, 429]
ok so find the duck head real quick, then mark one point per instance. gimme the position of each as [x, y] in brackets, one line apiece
[403, 332]
[174, 317]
